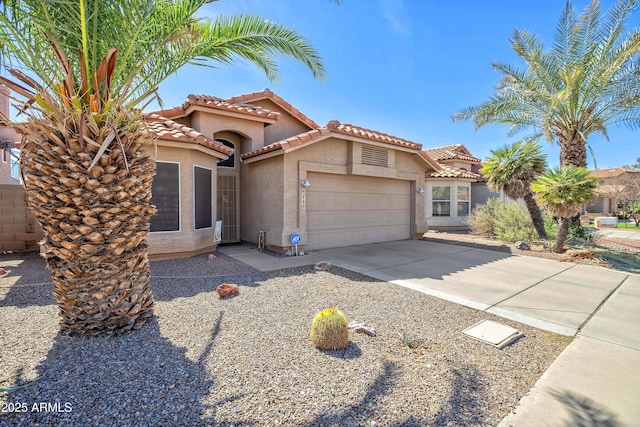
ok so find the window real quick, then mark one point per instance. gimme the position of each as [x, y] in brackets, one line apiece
[15, 163]
[5, 155]
[165, 195]
[202, 188]
[463, 201]
[231, 161]
[374, 156]
[441, 198]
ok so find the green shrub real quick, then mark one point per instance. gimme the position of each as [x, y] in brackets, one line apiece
[507, 221]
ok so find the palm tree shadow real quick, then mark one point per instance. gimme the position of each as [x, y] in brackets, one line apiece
[584, 412]
[380, 387]
[139, 378]
[465, 401]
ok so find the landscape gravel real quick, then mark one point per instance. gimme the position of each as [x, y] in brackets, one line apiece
[247, 360]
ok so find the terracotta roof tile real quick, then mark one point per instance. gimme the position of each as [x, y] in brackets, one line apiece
[335, 126]
[347, 129]
[475, 168]
[221, 104]
[452, 152]
[267, 94]
[216, 103]
[611, 172]
[293, 141]
[448, 171]
[169, 130]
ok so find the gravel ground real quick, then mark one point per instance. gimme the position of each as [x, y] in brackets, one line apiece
[247, 360]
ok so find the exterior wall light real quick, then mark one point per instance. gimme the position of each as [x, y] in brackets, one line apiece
[305, 184]
[420, 190]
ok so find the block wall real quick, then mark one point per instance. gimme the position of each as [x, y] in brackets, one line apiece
[19, 229]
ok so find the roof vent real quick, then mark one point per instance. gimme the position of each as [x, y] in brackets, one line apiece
[374, 156]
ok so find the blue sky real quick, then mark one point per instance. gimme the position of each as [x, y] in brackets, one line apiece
[401, 67]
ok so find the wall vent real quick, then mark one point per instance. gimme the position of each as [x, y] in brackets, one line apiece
[374, 156]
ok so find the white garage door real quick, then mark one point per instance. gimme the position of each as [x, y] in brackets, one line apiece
[345, 210]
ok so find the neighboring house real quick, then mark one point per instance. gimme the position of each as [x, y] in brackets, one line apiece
[9, 143]
[611, 189]
[260, 165]
[455, 189]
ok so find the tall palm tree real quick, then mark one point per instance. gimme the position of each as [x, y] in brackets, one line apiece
[90, 65]
[512, 169]
[587, 81]
[564, 190]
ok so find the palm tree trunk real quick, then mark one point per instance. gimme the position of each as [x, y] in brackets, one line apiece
[573, 150]
[563, 231]
[536, 214]
[95, 224]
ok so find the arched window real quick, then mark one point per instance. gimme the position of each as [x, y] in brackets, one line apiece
[231, 161]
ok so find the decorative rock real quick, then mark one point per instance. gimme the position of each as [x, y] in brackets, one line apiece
[522, 246]
[322, 266]
[361, 328]
[227, 289]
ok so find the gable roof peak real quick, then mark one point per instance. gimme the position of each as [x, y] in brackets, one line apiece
[266, 93]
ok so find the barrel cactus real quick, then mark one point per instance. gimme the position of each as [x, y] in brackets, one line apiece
[329, 330]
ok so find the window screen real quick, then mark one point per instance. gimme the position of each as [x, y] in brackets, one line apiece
[203, 195]
[165, 195]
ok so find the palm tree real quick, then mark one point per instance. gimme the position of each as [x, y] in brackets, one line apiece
[89, 67]
[512, 169]
[588, 80]
[564, 190]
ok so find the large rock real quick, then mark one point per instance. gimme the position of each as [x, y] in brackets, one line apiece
[322, 266]
[361, 328]
[226, 289]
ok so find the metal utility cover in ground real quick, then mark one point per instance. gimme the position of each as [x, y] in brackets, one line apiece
[493, 333]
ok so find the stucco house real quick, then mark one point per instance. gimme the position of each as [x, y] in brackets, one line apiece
[9, 143]
[614, 184]
[258, 164]
[453, 191]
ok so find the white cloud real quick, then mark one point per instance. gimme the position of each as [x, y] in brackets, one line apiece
[397, 16]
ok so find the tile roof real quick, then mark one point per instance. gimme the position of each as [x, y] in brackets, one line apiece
[452, 152]
[475, 168]
[293, 141]
[220, 104]
[447, 171]
[335, 126]
[267, 94]
[168, 130]
[611, 172]
[347, 129]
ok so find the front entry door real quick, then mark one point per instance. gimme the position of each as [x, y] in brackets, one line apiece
[228, 207]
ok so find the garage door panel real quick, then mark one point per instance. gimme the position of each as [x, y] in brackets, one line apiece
[347, 210]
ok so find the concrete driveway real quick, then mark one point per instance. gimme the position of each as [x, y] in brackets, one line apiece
[555, 296]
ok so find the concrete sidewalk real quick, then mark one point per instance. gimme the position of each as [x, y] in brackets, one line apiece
[595, 381]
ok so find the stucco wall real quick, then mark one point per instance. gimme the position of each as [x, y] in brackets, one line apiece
[187, 241]
[19, 229]
[285, 127]
[210, 124]
[261, 200]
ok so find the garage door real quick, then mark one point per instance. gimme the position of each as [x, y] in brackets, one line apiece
[345, 210]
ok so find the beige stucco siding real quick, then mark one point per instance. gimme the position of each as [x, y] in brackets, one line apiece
[286, 126]
[261, 200]
[211, 124]
[187, 241]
